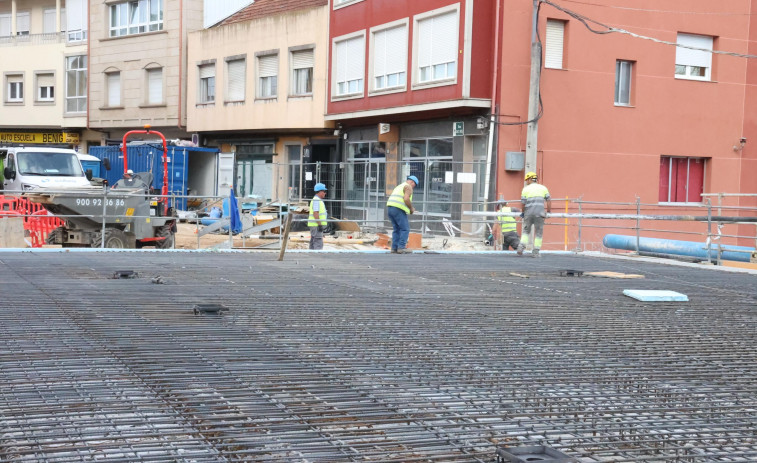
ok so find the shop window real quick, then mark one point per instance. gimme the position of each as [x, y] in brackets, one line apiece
[681, 179]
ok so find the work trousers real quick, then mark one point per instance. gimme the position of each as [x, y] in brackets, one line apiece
[510, 240]
[537, 222]
[400, 227]
[316, 239]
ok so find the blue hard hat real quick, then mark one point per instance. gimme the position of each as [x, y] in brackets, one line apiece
[319, 187]
[413, 178]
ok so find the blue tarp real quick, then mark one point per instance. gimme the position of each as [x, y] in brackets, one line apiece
[236, 220]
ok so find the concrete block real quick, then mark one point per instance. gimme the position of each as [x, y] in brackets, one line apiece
[12, 232]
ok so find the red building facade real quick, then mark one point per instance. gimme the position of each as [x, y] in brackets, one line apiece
[408, 83]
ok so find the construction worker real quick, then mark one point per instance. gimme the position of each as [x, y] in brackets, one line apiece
[534, 196]
[510, 238]
[128, 179]
[317, 217]
[399, 205]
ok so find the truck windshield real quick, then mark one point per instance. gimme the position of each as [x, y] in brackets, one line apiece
[49, 164]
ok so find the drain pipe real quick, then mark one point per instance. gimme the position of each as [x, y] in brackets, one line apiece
[493, 118]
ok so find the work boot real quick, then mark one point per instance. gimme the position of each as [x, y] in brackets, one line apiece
[520, 249]
[535, 253]
[394, 251]
[404, 251]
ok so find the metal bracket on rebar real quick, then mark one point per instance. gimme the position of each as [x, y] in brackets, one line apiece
[532, 453]
[124, 274]
[571, 273]
[210, 309]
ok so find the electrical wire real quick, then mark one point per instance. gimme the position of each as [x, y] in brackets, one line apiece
[585, 20]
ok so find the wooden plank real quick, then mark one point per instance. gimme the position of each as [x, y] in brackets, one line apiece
[613, 275]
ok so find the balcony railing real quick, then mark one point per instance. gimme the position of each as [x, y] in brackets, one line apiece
[32, 39]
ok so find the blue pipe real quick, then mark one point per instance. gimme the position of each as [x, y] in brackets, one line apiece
[676, 248]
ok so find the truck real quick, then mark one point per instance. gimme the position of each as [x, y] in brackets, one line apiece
[30, 168]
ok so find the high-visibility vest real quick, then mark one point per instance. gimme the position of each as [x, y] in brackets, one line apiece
[506, 222]
[533, 195]
[397, 198]
[321, 213]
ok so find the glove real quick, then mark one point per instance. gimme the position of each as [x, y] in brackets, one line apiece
[522, 215]
[320, 228]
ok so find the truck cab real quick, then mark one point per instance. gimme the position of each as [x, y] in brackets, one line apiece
[32, 168]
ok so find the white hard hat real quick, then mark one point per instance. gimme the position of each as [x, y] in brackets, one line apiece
[130, 172]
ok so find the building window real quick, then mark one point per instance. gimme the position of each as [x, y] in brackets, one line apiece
[113, 89]
[15, 88]
[207, 83]
[350, 66]
[437, 47]
[48, 21]
[23, 23]
[268, 79]
[294, 155]
[46, 87]
[76, 20]
[693, 64]
[136, 17]
[5, 25]
[555, 42]
[236, 73]
[389, 58]
[302, 72]
[681, 179]
[76, 84]
[154, 78]
[623, 76]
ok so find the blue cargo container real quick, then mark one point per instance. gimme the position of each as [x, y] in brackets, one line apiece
[147, 158]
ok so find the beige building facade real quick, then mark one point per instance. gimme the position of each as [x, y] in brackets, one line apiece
[256, 89]
[138, 67]
[44, 73]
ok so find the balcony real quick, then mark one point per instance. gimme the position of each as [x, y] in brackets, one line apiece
[42, 39]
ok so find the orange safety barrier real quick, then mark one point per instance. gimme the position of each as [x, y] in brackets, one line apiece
[37, 220]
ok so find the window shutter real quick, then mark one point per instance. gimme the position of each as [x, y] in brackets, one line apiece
[5, 25]
[236, 69]
[380, 53]
[444, 40]
[48, 21]
[396, 50]
[114, 89]
[355, 59]
[302, 59]
[22, 22]
[268, 66]
[75, 15]
[341, 61]
[425, 39]
[155, 86]
[553, 54]
[688, 57]
[207, 70]
[45, 80]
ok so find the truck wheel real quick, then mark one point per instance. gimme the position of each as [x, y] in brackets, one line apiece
[114, 238]
[165, 231]
[56, 236]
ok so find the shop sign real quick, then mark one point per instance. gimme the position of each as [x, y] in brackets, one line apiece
[58, 138]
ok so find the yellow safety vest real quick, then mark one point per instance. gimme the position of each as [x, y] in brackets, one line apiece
[506, 222]
[321, 213]
[397, 198]
[533, 196]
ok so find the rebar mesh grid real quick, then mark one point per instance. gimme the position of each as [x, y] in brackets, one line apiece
[370, 357]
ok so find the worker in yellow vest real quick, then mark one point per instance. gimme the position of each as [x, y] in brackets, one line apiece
[534, 197]
[317, 217]
[399, 205]
[508, 226]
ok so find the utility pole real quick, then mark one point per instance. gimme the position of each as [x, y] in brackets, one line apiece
[533, 95]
